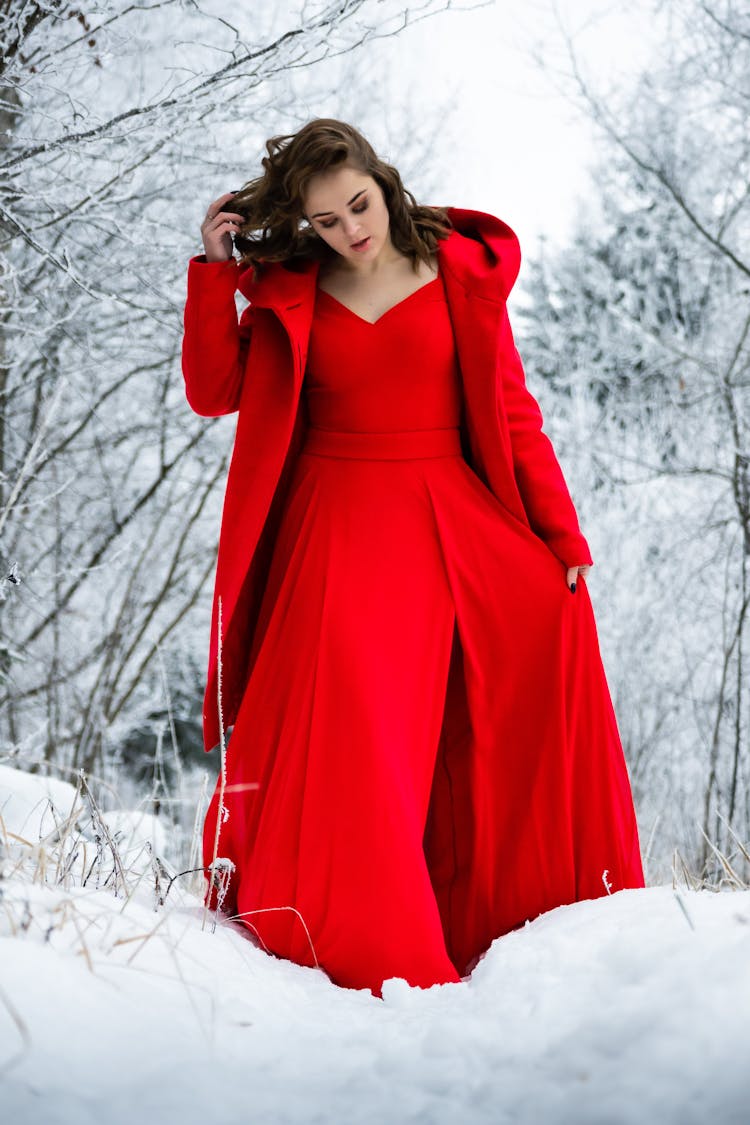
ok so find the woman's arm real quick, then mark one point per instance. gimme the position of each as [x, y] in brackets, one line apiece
[215, 344]
[541, 483]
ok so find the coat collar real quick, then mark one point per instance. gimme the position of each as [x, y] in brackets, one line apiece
[481, 254]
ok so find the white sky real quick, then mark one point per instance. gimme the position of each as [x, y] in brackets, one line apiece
[524, 147]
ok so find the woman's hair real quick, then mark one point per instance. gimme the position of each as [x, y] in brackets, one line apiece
[272, 203]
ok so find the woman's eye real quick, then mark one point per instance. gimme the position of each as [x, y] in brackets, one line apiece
[356, 210]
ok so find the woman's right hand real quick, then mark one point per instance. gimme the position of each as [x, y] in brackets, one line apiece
[216, 227]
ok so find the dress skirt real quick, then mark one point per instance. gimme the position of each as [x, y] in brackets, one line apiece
[426, 754]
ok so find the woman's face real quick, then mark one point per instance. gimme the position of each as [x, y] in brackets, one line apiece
[347, 207]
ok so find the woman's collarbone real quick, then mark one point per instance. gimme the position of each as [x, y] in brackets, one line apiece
[371, 295]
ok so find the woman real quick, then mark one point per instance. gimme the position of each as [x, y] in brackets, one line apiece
[423, 752]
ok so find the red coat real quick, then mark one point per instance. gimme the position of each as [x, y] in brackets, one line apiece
[256, 367]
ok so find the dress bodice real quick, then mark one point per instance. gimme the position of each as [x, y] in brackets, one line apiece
[399, 373]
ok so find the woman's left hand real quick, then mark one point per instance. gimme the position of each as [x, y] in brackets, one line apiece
[573, 573]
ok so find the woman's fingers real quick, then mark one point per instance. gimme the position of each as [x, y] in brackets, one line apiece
[218, 227]
[574, 572]
[222, 219]
[217, 206]
[216, 216]
[223, 215]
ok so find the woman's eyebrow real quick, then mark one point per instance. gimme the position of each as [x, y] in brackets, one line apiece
[318, 213]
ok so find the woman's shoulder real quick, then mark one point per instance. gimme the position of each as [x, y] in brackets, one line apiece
[487, 246]
[467, 220]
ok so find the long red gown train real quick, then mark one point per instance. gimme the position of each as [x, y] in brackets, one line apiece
[426, 753]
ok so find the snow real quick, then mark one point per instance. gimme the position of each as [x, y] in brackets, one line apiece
[634, 1007]
[23, 800]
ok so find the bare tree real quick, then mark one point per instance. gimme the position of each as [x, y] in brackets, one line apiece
[118, 128]
[646, 320]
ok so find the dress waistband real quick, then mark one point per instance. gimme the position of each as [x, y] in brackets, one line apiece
[383, 445]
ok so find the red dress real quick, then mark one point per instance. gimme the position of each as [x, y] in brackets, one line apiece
[426, 753]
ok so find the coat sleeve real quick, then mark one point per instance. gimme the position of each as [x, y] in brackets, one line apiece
[541, 483]
[214, 344]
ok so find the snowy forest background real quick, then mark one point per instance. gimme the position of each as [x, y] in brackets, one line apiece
[119, 124]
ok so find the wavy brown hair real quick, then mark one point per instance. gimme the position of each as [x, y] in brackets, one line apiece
[272, 203]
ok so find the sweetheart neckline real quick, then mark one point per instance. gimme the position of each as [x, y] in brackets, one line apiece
[373, 323]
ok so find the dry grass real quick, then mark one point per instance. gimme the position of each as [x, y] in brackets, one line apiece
[81, 852]
[721, 873]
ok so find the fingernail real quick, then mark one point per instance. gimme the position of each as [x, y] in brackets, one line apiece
[572, 587]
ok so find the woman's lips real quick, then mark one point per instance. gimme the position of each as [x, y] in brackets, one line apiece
[362, 245]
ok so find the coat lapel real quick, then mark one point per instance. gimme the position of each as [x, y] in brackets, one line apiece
[291, 295]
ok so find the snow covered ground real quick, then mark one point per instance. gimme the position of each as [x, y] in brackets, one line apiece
[114, 1009]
